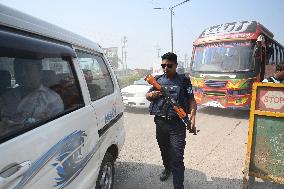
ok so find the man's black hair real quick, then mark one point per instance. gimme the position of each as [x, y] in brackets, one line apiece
[170, 56]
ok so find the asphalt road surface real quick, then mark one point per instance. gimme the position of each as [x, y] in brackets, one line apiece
[213, 159]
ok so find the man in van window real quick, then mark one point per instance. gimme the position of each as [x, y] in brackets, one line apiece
[278, 76]
[30, 101]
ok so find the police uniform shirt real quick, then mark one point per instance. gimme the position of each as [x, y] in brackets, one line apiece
[178, 80]
[186, 83]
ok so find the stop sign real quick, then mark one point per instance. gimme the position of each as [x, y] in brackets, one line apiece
[273, 99]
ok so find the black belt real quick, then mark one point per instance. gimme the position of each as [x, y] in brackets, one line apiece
[169, 117]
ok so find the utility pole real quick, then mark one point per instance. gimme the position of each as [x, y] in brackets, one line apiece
[123, 53]
[122, 58]
[172, 13]
[185, 60]
[172, 31]
[158, 50]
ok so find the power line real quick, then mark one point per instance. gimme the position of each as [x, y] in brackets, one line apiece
[153, 2]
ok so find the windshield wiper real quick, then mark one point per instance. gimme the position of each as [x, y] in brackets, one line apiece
[204, 71]
[245, 70]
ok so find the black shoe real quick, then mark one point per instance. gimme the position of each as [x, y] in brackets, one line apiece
[165, 174]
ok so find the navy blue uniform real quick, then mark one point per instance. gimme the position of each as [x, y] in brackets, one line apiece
[170, 130]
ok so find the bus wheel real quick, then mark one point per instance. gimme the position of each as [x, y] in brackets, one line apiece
[106, 174]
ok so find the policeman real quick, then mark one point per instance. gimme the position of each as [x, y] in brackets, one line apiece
[170, 130]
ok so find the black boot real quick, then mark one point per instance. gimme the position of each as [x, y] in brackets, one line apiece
[165, 174]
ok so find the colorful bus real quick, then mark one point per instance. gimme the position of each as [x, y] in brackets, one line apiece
[228, 58]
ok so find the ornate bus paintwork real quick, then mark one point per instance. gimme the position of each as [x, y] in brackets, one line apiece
[224, 97]
[227, 59]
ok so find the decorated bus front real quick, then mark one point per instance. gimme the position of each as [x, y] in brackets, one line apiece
[222, 74]
[226, 60]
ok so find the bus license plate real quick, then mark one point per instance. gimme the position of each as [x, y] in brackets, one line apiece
[214, 104]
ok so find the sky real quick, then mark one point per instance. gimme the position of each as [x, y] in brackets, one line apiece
[147, 29]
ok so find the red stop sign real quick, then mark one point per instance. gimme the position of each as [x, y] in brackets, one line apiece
[273, 99]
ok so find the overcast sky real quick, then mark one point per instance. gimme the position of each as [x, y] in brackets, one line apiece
[107, 21]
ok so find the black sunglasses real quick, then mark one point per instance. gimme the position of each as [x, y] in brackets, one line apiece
[168, 65]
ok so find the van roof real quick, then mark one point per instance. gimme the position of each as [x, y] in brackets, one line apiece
[15, 19]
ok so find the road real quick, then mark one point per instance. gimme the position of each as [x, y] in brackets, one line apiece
[213, 159]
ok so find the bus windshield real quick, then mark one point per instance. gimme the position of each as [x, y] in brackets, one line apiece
[224, 57]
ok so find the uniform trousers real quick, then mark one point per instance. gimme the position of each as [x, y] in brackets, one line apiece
[170, 135]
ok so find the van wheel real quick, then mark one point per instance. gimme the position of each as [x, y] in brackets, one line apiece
[106, 174]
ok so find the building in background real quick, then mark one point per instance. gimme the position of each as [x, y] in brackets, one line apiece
[180, 67]
[112, 55]
[157, 69]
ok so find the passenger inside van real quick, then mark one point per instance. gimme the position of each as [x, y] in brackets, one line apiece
[5, 81]
[49, 78]
[30, 101]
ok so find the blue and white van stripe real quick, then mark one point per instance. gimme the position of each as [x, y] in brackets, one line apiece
[63, 146]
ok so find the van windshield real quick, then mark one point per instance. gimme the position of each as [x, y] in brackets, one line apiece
[224, 57]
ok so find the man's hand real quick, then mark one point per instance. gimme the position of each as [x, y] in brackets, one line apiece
[191, 127]
[154, 94]
[192, 121]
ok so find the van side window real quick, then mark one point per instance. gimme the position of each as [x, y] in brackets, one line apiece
[37, 85]
[96, 74]
[34, 91]
[58, 76]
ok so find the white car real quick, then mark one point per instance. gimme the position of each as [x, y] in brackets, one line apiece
[135, 95]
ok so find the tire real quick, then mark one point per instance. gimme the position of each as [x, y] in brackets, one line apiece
[106, 175]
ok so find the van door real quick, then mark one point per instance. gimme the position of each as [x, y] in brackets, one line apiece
[48, 134]
[107, 102]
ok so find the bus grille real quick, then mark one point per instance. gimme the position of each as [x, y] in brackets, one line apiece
[214, 93]
[212, 83]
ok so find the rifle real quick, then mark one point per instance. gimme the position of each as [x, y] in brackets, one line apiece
[177, 108]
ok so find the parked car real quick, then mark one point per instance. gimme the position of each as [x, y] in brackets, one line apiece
[66, 129]
[134, 96]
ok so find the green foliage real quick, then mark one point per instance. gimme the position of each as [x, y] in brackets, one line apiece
[128, 80]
